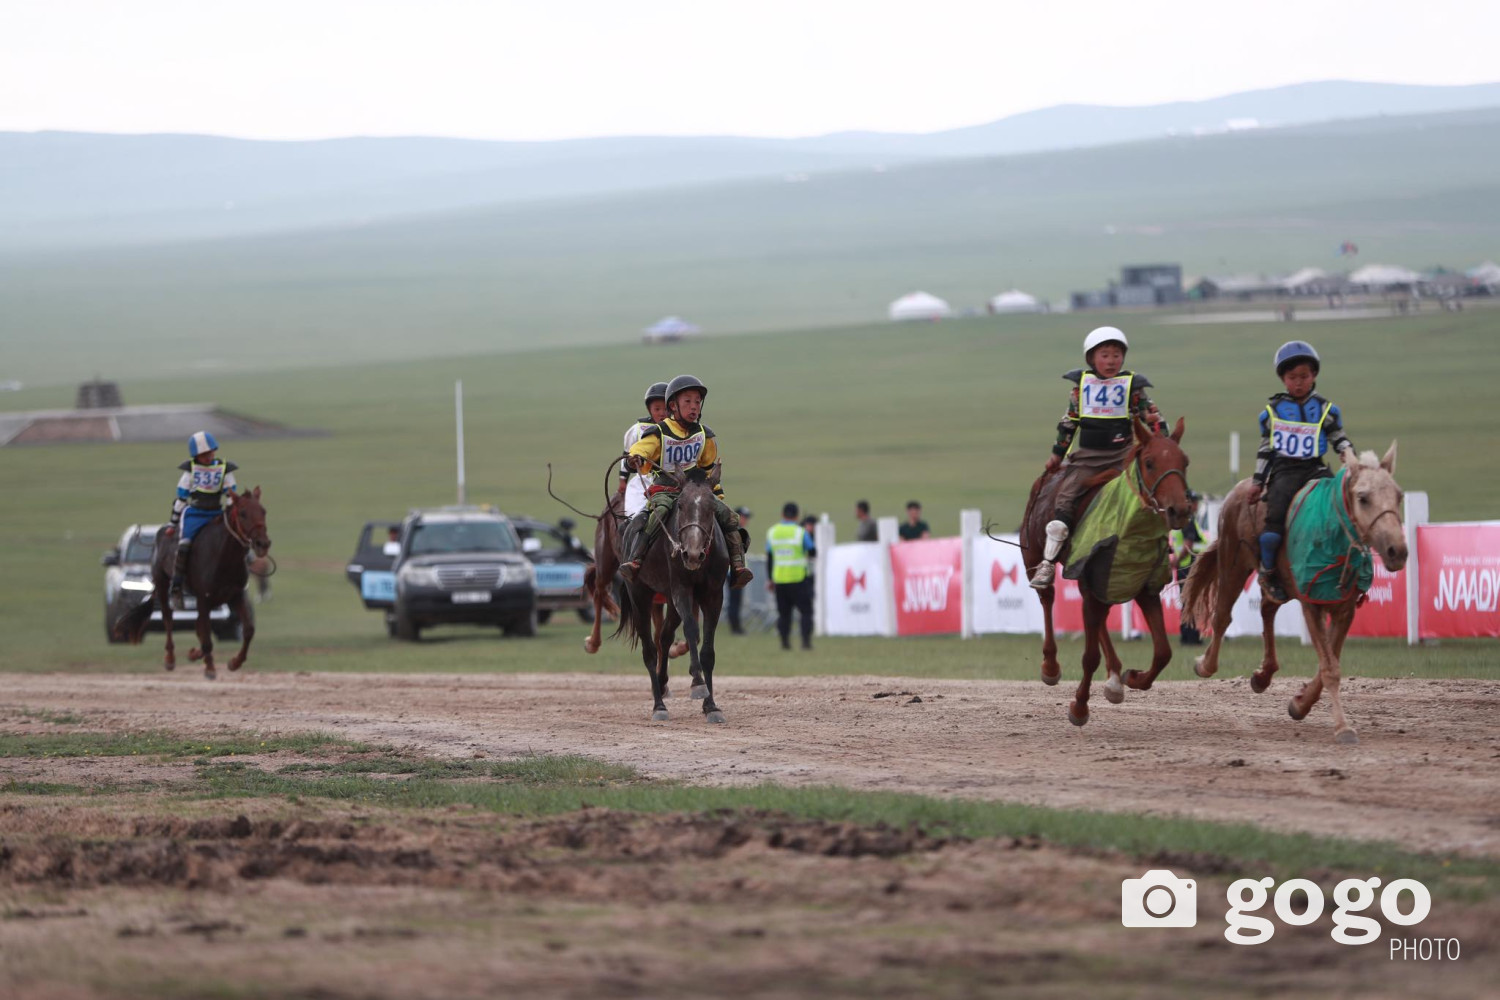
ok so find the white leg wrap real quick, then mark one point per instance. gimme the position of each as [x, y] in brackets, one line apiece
[1057, 534]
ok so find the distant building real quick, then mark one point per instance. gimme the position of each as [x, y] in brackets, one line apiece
[98, 395]
[1242, 287]
[1140, 285]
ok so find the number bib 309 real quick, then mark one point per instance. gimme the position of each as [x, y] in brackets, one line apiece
[1104, 398]
[1294, 440]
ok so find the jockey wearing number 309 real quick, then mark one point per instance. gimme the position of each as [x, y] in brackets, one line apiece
[205, 480]
[675, 445]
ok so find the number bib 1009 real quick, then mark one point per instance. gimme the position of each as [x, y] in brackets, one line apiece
[681, 455]
[1104, 398]
[207, 478]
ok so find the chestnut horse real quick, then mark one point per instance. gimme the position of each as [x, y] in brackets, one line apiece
[1372, 499]
[1158, 465]
[216, 574]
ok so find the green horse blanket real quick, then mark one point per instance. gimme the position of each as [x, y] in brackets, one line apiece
[1120, 546]
[1328, 562]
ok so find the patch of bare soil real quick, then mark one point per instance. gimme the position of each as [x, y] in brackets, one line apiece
[342, 903]
[1422, 774]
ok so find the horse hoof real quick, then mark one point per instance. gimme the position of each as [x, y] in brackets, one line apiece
[1114, 691]
[713, 717]
[678, 649]
[699, 692]
[1198, 667]
[195, 654]
[235, 664]
[1297, 713]
[660, 715]
[1051, 679]
[1258, 684]
[209, 674]
[1134, 679]
[590, 646]
[168, 665]
[1078, 714]
[1348, 737]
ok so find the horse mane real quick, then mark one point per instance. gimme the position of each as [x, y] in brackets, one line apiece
[1369, 460]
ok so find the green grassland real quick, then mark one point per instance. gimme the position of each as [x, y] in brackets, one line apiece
[957, 414]
[761, 255]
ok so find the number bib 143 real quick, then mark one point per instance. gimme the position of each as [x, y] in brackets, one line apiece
[1104, 397]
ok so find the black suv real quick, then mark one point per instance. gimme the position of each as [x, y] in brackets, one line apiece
[461, 565]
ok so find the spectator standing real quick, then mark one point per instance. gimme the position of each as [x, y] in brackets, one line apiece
[786, 560]
[914, 528]
[737, 597]
[866, 530]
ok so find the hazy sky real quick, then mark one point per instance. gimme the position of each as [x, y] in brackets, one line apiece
[544, 69]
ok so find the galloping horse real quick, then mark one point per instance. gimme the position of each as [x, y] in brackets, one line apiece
[216, 574]
[1371, 501]
[689, 569]
[1156, 469]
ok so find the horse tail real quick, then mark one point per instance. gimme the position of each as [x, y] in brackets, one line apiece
[627, 618]
[131, 626]
[1201, 588]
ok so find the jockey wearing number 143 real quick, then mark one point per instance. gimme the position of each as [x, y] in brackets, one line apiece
[205, 480]
[676, 445]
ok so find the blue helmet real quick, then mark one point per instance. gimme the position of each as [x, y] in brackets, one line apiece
[201, 442]
[1294, 351]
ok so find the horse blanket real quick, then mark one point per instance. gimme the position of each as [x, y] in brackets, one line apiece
[1120, 546]
[1322, 545]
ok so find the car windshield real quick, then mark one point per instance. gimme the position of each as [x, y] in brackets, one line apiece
[140, 548]
[461, 536]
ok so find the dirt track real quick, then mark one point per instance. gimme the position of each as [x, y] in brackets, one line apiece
[1423, 774]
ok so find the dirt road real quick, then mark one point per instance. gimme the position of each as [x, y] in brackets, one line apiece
[1423, 773]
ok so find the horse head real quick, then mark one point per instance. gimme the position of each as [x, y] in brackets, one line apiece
[247, 521]
[1374, 499]
[693, 517]
[1163, 469]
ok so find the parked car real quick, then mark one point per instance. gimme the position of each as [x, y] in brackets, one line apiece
[127, 583]
[461, 565]
[370, 568]
[560, 559]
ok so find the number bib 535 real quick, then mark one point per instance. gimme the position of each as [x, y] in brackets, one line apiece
[1104, 397]
[207, 478]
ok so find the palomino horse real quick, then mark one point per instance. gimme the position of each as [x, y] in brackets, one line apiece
[1157, 466]
[689, 569]
[216, 574]
[1372, 501]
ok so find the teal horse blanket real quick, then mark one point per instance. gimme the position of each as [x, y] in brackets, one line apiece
[1120, 546]
[1328, 561]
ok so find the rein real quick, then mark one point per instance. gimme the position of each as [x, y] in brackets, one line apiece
[231, 525]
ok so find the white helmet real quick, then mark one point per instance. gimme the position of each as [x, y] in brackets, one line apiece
[1104, 335]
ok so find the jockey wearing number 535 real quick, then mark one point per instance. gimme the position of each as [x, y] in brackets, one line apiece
[677, 444]
[205, 480]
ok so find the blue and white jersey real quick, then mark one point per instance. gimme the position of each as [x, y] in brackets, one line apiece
[1298, 430]
[203, 486]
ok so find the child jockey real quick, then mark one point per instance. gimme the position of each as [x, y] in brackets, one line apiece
[634, 484]
[1096, 434]
[205, 480]
[1296, 428]
[675, 445]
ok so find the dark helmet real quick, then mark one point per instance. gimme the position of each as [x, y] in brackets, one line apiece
[681, 384]
[566, 523]
[1293, 352]
[789, 511]
[743, 511]
[658, 390]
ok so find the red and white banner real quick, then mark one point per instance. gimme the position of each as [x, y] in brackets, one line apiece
[1003, 601]
[1459, 589]
[1067, 608]
[856, 595]
[927, 580]
[1383, 616]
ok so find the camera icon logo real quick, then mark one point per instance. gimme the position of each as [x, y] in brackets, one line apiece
[1159, 899]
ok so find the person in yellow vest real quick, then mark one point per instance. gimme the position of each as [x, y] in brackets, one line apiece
[787, 549]
[1096, 433]
[675, 445]
[1185, 545]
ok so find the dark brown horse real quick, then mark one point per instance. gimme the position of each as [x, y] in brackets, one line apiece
[216, 574]
[1159, 466]
[688, 566]
[1372, 500]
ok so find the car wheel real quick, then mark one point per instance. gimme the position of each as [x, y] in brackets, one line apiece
[109, 633]
[525, 627]
[390, 624]
[406, 629]
[543, 617]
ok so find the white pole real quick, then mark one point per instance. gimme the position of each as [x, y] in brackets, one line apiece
[887, 535]
[1234, 455]
[824, 539]
[970, 526]
[1416, 514]
[458, 407]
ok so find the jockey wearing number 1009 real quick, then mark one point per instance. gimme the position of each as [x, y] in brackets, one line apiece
[676, 445]
[205, 480]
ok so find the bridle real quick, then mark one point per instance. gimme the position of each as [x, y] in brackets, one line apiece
[1149, 496]
[231, 517]
[1361, 534]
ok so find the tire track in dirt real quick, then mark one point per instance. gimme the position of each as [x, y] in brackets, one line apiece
[1423, 774]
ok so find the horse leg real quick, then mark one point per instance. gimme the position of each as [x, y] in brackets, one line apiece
[640, 606]
[601, 591]
[698, 691]
[1332, 674]
[663, 639]
[169, 661]
[247, 630]
[1225, 563]
[1261, 679]
[205, 648]
[710, 607]
[1304, 700]
[1051, 671]
[1114, 691]
[682, 607]
[1161, 647]
[1095, 614]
